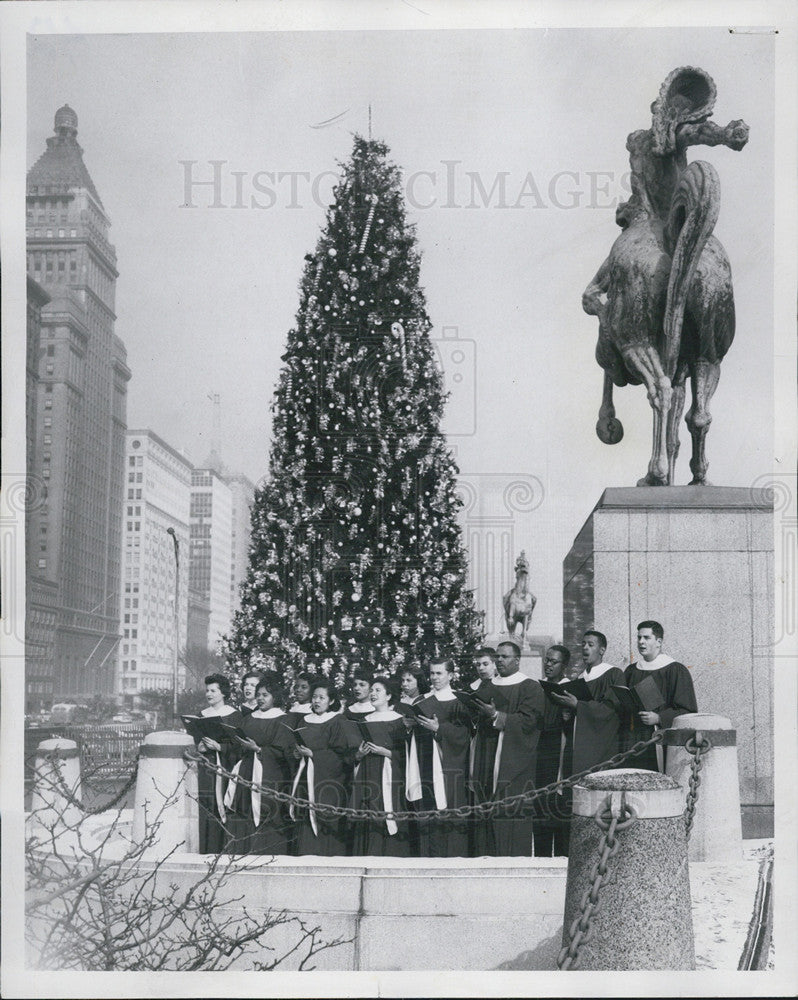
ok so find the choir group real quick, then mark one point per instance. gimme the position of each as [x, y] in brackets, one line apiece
[413, 744]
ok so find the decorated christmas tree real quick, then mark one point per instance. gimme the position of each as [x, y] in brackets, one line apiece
[356, 555]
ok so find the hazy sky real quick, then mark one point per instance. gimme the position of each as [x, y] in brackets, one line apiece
[206, 295]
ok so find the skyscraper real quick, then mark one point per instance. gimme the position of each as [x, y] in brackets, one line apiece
[157, 497]
[243, 493]
[211, 548]
[80, 418]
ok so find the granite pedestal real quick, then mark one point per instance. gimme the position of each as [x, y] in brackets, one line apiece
[699, 560]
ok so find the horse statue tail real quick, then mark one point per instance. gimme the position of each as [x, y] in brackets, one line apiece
[693, 214]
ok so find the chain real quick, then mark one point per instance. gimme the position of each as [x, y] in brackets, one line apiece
[581, 928]
[478, 809]
[55, 759]
[697, 751]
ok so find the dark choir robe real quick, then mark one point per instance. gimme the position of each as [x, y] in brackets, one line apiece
[437, 768]
[246, 710]
[592, 733]
[258, 824]
[678, 697]
[322, 779]
[378, 783]
[505, 763]
[295, 714]
[214, 837]
[552, 812]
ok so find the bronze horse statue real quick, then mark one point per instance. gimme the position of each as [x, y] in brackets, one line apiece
[519, 602]
[669, 308]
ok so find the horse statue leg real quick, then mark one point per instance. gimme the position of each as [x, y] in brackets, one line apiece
[643, 359]
[674, 416]
[704, 381]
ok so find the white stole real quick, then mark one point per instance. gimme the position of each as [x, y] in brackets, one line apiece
[218, 787]
[257, 775]
[311, 775]
[510, 681]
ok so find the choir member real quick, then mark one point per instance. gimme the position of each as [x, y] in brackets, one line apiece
[485, 665]
[379, 776]
[361, 689]
[321, 775]
[437, 764]
[301, 706]
[593, 724]
[211, 788]
[505, 754]
[676, 695]
[551, 826]
[413, 685]
[256, 822]
[249, 684]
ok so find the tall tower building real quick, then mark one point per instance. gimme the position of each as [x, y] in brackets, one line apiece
[80, 418]
[154, 577]
[243, 493]
[211, 548]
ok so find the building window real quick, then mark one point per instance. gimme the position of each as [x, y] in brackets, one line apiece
[42, 564]
[61, 233]
[48, 439]
[49, 370]
[48, 404]
[51, 350]
[73, 233]
[48, 421]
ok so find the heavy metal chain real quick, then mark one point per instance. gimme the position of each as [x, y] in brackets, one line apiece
[480, 809]
[697, 751]
[63, 788]
[581, 927]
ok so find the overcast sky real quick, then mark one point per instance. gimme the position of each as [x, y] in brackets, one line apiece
[206, 295]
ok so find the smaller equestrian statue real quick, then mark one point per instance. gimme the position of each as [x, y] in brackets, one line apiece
[519, 603]
[663, 296]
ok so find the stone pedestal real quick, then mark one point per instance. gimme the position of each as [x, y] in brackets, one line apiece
[699, 560]
[532, 654]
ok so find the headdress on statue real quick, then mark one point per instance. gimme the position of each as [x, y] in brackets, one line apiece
[687, 95]
[522, 563]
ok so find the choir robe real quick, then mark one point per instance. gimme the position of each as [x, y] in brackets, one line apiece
[593, 735]
[246, 710]
[258, 824]
[505, 763]
[552, 812]
[214, 837]
[358, 711]
[378, 783]
[296, 713]
[678, 696]
[437, 769]
[322, 779]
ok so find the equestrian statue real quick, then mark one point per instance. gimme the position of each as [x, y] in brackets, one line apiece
[519, 602]
[663, 296]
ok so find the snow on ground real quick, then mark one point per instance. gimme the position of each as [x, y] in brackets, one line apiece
[723, 901]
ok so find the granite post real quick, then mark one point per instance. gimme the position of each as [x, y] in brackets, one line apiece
[165, 806]
[643, 920]
[716, 833]
[53, 813]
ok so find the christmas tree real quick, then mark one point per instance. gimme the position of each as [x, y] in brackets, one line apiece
[356, 555]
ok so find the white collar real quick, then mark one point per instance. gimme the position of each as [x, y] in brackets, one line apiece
[222, 710]
[359, 707]
[446, 694]
[597, 671]
[516, 678]
[387, 716]
[324, 717]
[659, 661]
[301, 709]
[270, 713]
